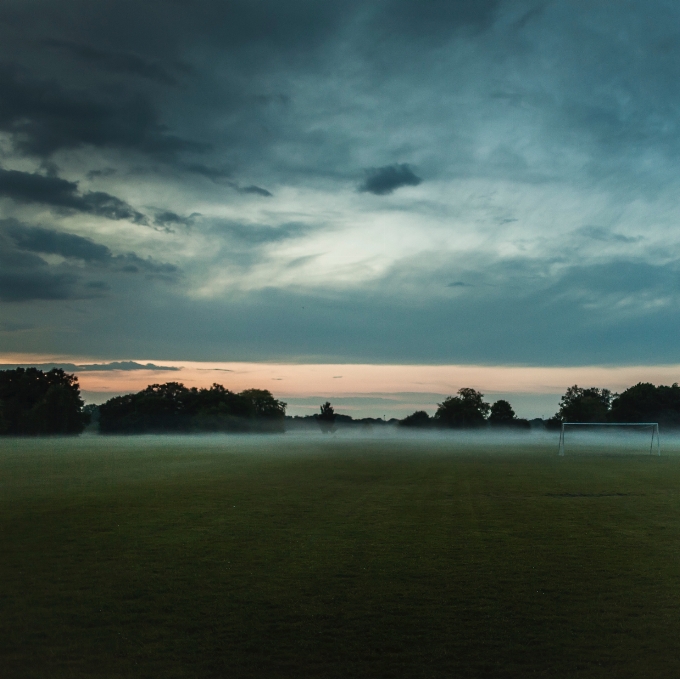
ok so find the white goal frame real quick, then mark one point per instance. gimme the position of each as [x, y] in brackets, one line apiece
[654, 426]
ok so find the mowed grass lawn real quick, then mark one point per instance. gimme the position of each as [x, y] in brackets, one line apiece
[294, 557]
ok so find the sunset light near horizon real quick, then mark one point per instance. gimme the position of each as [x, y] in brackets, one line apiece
[390, 390]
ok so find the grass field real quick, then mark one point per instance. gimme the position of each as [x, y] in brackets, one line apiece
[301, 557]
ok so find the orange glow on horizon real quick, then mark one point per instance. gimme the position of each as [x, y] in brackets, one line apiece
[289, 379]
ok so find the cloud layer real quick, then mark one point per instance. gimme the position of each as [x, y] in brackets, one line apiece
[489, 181]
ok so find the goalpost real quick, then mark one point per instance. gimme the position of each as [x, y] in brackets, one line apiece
[653, 426]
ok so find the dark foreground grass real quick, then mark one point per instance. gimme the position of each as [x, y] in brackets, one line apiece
[368, 559]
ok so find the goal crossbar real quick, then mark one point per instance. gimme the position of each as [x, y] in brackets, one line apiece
[653, 425]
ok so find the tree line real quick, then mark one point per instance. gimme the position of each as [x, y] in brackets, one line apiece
[33, 402]
[643, 402]
[468, 410]
[172, 407]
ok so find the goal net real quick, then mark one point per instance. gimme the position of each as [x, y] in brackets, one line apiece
[609, 438]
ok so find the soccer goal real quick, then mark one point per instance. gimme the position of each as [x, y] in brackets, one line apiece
[630, 437]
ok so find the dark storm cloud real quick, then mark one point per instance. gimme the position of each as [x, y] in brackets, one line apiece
[24, 286]
[243, 47]
[24, 276]
[231, 57]
[30, 239]
[43, 282]
[121, 62]
[383, 180]
[44, 117]
[48, 241]
[27, 187]
[47, 106]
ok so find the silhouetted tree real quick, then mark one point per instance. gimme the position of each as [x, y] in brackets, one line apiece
[501, 412]
[585, 405]
[33, 402]
[418, 419]
[468, 409]
[261, 404]
[502, 415]
[159, 407]
[645, 402]
[326, 417]
[174, 407]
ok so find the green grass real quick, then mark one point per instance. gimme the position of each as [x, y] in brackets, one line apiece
[237, 557]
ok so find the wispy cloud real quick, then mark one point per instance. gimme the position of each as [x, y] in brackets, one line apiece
[91, 367]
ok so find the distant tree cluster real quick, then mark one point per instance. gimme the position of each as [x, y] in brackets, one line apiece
[326, 418]
[418, 419]
[643, 402]
[34, 403]
[467, 410]
[172, 407]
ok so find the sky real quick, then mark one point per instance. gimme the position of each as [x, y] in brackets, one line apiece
[480, 186]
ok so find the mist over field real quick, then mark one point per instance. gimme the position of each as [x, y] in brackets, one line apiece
[387, 439]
